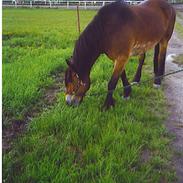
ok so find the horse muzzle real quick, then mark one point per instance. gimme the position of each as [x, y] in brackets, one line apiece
[73, 100]
[68, 99]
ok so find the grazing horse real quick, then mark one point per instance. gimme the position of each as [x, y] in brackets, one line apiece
[120, 31]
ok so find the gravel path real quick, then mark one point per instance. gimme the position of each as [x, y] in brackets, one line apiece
[174, 94]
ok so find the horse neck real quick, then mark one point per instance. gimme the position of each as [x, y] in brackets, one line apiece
[85, 55]
[84, 60]
[88, 47]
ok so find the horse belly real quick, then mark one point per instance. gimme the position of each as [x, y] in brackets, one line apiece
[140, 48]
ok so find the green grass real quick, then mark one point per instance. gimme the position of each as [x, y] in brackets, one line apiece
[179, 29]
[83, 144]
[178, 24]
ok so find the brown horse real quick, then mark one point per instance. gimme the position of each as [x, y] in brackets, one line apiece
[120, 31]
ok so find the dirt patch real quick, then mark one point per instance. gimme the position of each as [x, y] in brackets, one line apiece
[17, 127]
[174, 94]
[178, 60]
[145, 155]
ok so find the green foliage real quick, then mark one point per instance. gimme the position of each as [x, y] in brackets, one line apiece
[82, 144]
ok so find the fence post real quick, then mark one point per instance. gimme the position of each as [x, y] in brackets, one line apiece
[67, 4]
[85, 4]
[78, 20]
[30, 4]
[103, 4]
[15, 3]
[50, 4]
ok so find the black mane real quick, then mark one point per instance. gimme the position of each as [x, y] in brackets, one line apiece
[88, 46]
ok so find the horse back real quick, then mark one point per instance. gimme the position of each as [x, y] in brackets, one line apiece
[141, 26]
[154, 17]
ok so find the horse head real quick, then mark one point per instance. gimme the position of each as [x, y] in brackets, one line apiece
[75, 86]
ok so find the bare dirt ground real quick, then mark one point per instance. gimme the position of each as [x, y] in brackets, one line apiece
[174, 94]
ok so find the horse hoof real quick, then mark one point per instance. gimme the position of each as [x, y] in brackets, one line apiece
[106, 107]
[126, 98]
[135, 83]
[109, 104]
[156, 85]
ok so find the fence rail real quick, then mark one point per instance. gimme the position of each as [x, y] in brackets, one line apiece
[65, 4]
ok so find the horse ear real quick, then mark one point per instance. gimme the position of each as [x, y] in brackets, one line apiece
[68, 62]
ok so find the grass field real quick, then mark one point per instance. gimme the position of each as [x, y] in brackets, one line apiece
[126, 144]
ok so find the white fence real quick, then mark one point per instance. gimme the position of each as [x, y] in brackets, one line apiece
[65, 4]
[60, 4]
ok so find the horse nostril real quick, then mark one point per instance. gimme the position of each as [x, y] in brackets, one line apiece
[76, 101]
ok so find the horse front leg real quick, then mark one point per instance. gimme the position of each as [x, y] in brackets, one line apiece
[126, 84]
[110, 101]
[139, 70]
[118, 68]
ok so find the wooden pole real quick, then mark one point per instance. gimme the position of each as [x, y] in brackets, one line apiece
[78, 20]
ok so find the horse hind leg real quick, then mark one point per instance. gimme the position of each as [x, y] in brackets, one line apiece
[161, 62]
[155, 61]
[162, 48]
[137, 76]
